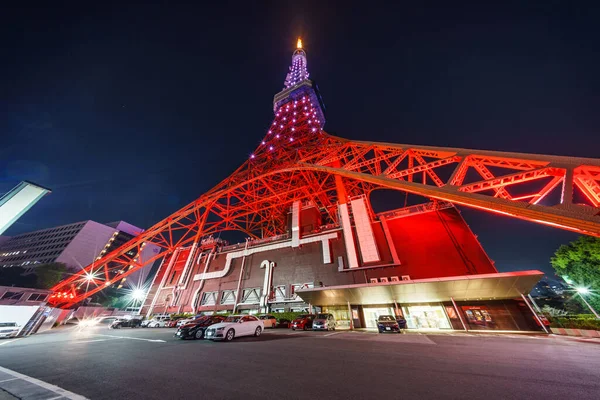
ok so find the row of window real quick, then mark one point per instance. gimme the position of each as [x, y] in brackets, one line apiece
[391, 279]
[51, 237]
[251, 295]
[73, 227]
[18, 295]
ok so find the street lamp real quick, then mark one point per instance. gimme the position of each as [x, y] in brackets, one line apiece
[583, 290]
[138, 294]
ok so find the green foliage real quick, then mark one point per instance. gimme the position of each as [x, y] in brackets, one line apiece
[581, 321]
[50, 274]
[553, 312]
[579, 262]
[181, 315]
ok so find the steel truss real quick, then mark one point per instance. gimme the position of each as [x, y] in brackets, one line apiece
[298, 161]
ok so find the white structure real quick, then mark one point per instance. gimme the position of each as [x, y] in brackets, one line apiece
[76, 245]
[16, 202]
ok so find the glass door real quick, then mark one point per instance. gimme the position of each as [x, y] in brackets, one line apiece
[372, 313]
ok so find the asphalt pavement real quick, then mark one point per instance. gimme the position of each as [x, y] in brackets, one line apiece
[98, 363]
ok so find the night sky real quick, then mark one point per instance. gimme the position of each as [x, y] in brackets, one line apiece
[128, 112]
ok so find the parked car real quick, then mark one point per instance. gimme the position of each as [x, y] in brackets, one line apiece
[145, 323]
[387, 323]
[324, 322]
[126, 323]
[196, 328]
[173, 323]
[303, 322]
[158, 322]
[283, 323]
[401, 321]
[182, 322]
[9, 329]
[235, 326]
[268, 320]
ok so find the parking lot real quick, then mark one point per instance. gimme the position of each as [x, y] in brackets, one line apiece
[100, 363]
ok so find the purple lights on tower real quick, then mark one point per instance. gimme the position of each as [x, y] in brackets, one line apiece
[298, 70]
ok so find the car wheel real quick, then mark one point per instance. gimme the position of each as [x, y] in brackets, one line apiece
[118, 327]
[199, 334]
[293, 329]
[305, 328]
[258, 331]
[229, 335]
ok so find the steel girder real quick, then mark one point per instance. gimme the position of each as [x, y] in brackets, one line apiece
[303, 167]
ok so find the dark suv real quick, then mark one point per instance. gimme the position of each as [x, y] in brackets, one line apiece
[304, 322]
[196, 328]
[126, 323]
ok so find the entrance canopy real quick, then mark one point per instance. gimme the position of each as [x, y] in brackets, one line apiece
[506, 285]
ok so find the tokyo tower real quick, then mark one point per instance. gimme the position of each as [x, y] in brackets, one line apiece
[298, 162]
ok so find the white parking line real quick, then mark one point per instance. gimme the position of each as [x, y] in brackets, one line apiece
[132, 338]
[8, 380]
[334, 333]
[10, 341]
[53, 388]
[90, 341]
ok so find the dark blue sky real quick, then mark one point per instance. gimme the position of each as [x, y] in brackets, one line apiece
[129, 111]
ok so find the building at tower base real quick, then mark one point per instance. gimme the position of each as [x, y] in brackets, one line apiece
[421, 262]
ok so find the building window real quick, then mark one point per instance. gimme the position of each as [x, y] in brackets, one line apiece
[209, 298]
[228, 297]
[12, 296]
[172, 277]
[251, 296]
[37, 297]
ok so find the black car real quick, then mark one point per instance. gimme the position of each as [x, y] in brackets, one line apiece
[195, 329]
[126, 323]
[283, 323]
[387, 323]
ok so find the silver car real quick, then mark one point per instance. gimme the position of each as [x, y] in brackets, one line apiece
[9, 329]
[324, 322]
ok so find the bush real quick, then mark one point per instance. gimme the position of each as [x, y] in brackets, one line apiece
[581, 321]
[181, 315]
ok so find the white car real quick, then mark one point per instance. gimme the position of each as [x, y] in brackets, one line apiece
[9, 329]
[158, 322]
[235, 326]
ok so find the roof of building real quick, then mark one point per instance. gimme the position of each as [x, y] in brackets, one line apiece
[505, 285]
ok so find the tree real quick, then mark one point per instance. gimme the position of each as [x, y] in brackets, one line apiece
[50, 274]
[579, 262]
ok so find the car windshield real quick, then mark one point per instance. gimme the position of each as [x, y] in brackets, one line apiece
[303, 316]
[386, 318]
[322, 316]
[233, 318]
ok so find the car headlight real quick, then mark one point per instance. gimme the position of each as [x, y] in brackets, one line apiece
[221, 328]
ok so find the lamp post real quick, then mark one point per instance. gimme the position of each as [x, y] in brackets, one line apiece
[583, 290]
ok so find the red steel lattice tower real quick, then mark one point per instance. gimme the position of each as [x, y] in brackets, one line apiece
[298, 161]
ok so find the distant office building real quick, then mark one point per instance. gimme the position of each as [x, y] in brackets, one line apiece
[16, 202]
[548, 288]
[76, 245]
